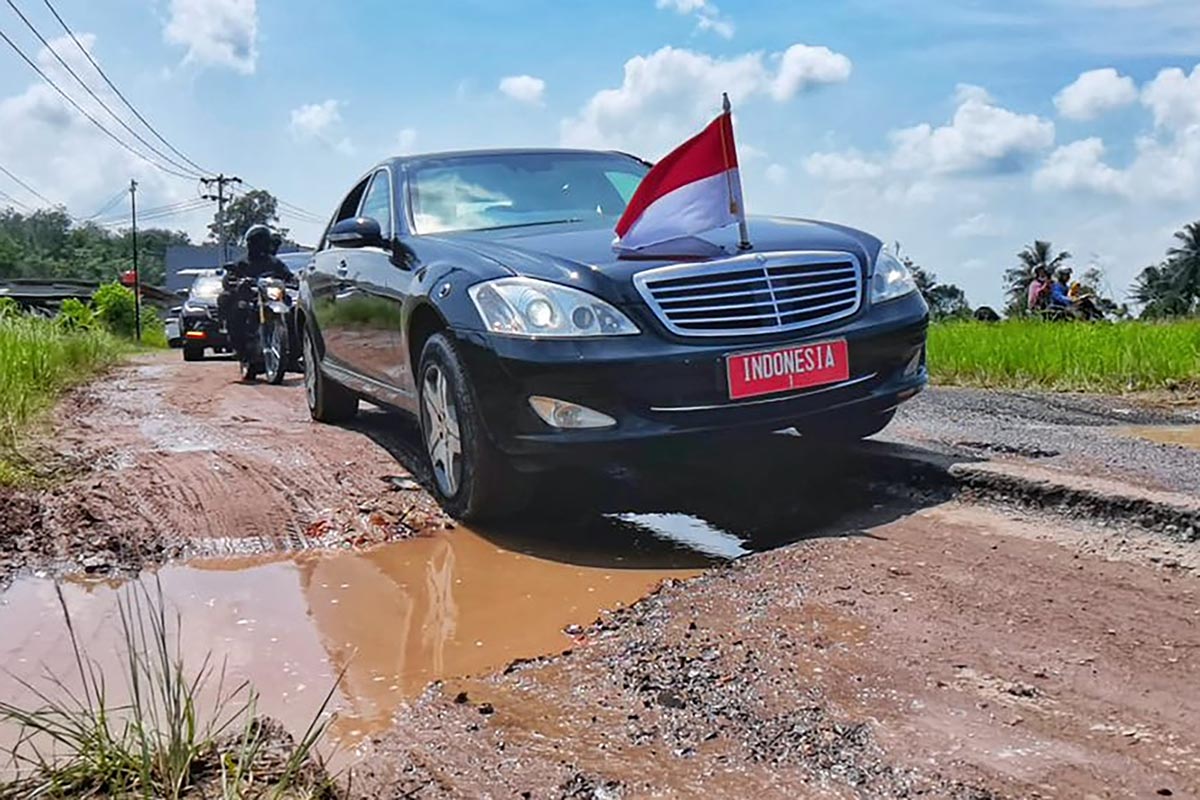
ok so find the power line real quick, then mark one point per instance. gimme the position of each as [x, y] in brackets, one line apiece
[109, 204]
[29, 188]
[86, 115]
[118, 92]
[92, 94]
[162, 212]
[14, 201]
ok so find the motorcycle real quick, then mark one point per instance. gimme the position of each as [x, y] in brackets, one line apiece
[278, 339]
[269, 343]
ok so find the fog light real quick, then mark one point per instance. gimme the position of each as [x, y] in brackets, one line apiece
[561, 414]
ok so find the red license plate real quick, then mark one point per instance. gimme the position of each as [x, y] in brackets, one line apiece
[787, 368]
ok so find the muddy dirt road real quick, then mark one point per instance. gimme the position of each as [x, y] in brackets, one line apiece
[999, 598]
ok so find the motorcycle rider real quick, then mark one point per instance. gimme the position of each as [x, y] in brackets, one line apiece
[235, 302]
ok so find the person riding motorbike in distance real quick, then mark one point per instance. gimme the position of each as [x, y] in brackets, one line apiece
[236, 300]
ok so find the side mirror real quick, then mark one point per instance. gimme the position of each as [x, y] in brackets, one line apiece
[358, 232]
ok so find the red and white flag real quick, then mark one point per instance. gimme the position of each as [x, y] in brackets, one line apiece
[693, 189]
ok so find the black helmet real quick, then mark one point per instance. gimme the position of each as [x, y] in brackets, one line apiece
[258, 240]
[276, 241]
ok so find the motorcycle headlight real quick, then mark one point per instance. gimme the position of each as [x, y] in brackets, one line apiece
[274, 292]
[531, 308]
[891, 280]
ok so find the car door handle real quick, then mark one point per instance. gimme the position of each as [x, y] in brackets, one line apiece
[342, 269]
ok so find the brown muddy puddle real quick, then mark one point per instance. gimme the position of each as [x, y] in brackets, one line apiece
[394, 618]
[1181, 435]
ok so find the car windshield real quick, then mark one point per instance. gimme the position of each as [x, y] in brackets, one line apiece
[505, 190]
[207, 287]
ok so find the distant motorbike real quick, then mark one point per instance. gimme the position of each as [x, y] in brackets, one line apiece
[270, 346]
[278, 340]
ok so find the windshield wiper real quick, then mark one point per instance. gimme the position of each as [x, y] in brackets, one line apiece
[530, 224]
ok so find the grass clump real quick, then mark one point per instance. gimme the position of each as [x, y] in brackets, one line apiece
[1030, 353]
[168, 740]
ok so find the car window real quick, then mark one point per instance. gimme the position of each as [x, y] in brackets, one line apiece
[507, 189]
[348, 208]
[377, 204]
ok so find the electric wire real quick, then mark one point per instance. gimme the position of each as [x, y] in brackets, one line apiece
[70, 71]
[85, 114]
[28, 188]
[118, 92]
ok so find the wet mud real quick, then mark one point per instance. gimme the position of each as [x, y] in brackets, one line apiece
[748, 617]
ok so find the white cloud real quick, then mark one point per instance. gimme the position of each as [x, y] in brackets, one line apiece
[1079, 165]
[66, 158]
[979, 225]
[708, 16]
[1095, 92]
[777, 174]
[982, 136]
[842, 167]
[1174, 98]
[215, 32]
[524, 89]
[320, 121]
[802, 66]
[664, 96]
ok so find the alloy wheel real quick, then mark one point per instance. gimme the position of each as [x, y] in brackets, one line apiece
[443, 439]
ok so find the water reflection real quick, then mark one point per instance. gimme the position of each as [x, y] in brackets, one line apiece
[391, 619]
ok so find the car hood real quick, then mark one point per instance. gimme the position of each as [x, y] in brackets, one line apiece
[584, 256]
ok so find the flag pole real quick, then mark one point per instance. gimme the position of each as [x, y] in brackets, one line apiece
[734, 206]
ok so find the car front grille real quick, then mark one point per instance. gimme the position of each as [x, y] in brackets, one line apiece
[754, 293]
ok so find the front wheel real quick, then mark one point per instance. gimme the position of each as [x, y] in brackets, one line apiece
[328, 401]
[472, 479]
[275, 350]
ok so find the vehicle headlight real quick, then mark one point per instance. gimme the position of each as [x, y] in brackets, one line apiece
[891, 280]
[274, 292]
[532, 308]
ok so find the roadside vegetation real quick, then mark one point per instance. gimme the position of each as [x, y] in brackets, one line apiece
[41, 357]
[181, 734]
[1065, 356]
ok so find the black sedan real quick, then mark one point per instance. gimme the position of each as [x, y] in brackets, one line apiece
[479, 291]
[199, 323]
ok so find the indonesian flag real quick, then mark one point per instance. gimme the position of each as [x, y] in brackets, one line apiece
[695, 188]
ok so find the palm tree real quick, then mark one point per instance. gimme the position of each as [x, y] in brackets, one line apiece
[1183, 261]
[1155, 290]
[1016, 279]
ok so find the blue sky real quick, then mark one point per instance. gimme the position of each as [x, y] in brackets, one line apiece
[960, 129]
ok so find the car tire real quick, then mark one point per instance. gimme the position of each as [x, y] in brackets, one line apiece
[328, 400]
[848, 429]
[193, 353]
[477, 482]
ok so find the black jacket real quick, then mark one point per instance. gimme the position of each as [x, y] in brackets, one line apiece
[259, 267]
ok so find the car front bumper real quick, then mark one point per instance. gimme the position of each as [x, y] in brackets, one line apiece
[656, 388]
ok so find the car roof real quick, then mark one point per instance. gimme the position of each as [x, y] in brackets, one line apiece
[503, 151]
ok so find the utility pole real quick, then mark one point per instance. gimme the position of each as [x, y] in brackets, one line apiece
[137, 280]
[220, 181]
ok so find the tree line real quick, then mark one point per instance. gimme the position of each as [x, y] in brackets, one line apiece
[48, 243]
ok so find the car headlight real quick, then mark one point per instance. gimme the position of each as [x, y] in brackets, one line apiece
[532, 308]
[891, 280]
